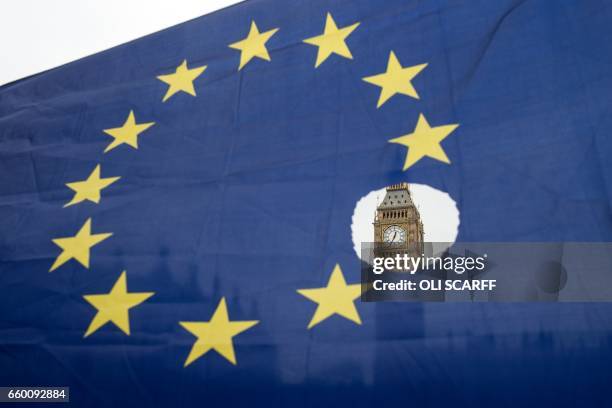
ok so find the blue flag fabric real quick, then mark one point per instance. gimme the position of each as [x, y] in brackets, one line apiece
[223, 191]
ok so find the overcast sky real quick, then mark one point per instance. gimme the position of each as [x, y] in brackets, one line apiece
[41, 34]
[437, 209]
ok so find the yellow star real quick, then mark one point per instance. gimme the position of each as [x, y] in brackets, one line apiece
[114, 306]
[128, 133]
[425, 141]
[254, 45]
[395, 80]
[78, 247]
[216, 334]
[336, 298]
[90, 189]
[332, 41]
[181, 80]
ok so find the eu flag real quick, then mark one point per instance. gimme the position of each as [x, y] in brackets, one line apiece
[175, 212]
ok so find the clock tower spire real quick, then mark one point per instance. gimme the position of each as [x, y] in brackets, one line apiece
[397, 224]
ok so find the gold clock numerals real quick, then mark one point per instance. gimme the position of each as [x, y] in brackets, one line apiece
[395, 234]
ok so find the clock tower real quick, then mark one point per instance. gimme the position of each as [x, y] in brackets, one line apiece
[397, 224]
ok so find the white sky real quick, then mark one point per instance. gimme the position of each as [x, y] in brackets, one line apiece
[41, 34]
[438, 211]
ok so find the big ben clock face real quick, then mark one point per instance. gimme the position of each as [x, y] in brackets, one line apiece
[394, 234]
